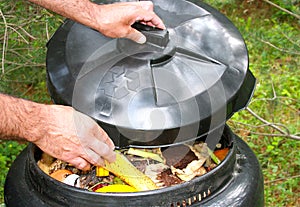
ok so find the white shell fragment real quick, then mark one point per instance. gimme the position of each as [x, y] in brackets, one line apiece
[72, 180]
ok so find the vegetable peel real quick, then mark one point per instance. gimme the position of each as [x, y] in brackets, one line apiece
[145, 154]
[127, 172]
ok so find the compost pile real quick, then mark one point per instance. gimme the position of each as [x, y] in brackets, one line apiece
[139, 169]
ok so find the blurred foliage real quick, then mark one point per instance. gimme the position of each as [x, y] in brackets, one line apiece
[8, 152]
[273, 40]
[24, 32]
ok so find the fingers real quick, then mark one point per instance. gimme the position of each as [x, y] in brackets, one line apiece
[151, 19]
[80, 163]
[115, 20]
[98, 151]
[76, 138]
[102, 135]
[145, 13]
[93, 156]
[96, 146]
[147, 17]
[136, 36]
[102, 145]
[147, 5]
[99, 147]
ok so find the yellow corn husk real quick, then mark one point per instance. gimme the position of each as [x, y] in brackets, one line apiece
[145, 154]
[101, 172]
[123, 168]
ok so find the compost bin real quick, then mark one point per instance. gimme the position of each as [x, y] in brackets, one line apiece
[181, 86]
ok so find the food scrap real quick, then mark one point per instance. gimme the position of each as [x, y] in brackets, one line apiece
[138, 169]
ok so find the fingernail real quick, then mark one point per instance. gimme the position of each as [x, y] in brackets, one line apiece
[86, 167]
[141, 40]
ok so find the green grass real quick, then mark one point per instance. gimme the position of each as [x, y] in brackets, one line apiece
[273, 40]
[9, 150]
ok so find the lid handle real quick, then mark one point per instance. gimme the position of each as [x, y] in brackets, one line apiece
[154, 35]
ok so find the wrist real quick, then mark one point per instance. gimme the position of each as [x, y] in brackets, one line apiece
[33, 121]
[93, 15]
[21, 119]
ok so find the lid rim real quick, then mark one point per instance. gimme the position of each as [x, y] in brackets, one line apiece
[222, 99]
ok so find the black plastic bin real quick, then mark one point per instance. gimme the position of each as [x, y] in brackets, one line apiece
[182, 85]
[237, 181]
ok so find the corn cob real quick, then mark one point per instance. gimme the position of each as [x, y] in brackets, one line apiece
[123, 168]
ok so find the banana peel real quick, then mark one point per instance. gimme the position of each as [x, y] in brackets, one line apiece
[127, 172]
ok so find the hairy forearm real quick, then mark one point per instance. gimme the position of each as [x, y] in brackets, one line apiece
[82, 11]
[19, 118]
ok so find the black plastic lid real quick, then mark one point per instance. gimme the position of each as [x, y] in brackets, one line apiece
[185, 82]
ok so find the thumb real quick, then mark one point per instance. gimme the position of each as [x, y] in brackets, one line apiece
[136, 36]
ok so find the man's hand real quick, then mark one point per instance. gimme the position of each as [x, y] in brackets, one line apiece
[57, 130]
[74, 137]
[113, 20]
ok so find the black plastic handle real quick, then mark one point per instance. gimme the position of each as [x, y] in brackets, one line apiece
[154, 35]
